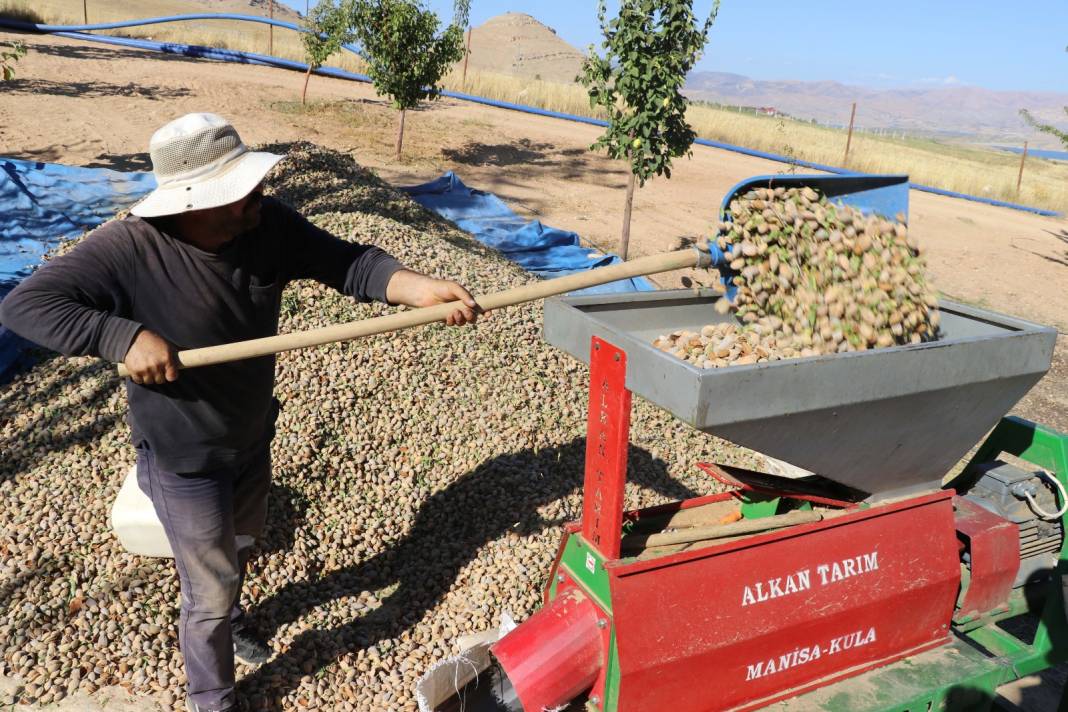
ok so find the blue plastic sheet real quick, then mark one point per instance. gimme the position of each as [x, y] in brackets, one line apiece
[545, 251]
[44, 203]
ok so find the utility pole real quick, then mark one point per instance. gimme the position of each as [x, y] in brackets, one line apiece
[1019, 178]
[849, 138]
[466, 55]
[270, 28]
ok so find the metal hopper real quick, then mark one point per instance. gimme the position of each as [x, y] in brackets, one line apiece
[886, 422]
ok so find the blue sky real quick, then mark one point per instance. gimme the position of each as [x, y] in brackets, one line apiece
[905, 43]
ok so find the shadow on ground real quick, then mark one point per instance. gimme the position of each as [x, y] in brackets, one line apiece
[421, 568]
[92, 89]
[98, 53]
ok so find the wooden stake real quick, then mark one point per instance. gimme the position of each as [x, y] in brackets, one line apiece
[625, 241]
[1019, 178]
[466, 55]
[270, 28]
[400, 134]
[85, 12]
[720, 531]
[849, 138]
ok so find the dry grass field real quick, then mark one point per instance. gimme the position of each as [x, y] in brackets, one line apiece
[977, 171]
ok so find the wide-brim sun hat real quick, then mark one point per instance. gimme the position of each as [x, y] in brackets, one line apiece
[200, 162]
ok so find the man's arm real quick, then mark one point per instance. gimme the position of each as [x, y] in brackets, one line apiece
[364, 271]
[75, 303]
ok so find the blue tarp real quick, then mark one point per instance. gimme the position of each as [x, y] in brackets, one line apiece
[545, 251]
[44, 203]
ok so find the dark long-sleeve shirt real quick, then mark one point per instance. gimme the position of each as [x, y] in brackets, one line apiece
[131, 274]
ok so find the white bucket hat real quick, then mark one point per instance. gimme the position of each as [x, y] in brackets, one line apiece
[200, 162]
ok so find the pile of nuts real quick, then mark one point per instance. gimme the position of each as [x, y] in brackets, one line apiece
[812, 277]
[420, 481]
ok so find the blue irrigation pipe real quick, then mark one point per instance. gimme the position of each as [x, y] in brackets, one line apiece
[62, 30]
[76, 32]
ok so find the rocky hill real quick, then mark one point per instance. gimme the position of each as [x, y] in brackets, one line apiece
[517, 44]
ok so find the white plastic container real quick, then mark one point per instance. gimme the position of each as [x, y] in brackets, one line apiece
[134, 521]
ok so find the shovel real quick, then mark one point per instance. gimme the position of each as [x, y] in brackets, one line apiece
[254, 348]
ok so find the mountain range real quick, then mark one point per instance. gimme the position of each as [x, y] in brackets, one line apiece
[951, 111]
[520, 45]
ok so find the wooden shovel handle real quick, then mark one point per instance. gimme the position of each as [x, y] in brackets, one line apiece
[254, 348]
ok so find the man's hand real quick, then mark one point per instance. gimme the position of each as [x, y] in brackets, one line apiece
[151, 359]
[418, 290]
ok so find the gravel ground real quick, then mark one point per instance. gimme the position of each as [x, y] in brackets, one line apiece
[420, 479]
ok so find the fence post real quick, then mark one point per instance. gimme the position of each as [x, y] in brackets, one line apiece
[1019, 178]
[85, 12]
[849, 138]
[270, 28]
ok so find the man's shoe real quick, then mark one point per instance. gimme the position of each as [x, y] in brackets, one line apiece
[249, 649]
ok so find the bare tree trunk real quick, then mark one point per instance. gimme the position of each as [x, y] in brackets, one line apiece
[400, 134]
[304, 94]
[625, 242]
[467, 55]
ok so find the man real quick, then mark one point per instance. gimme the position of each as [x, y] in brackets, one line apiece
[203, 261]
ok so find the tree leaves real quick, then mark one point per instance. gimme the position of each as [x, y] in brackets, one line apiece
[329, 25]
[649, 48]
[406, 57]
[1046, 128]
[8, 59]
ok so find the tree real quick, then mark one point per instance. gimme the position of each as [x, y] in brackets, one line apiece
[649, 47]
[329, 25]
[1046, 128]
[406, 57]
[8, 58]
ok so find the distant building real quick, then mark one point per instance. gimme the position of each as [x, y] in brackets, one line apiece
[768, 111]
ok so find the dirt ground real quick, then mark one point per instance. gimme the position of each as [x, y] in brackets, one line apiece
[87, 104]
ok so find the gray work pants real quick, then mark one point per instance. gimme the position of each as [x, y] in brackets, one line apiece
[202, 514]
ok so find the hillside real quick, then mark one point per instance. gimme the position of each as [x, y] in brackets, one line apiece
[517, 44]
[949, 111]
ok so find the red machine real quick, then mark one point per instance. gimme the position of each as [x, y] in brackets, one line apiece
[740, 622]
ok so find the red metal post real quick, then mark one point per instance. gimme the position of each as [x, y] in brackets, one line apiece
[607, 434]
